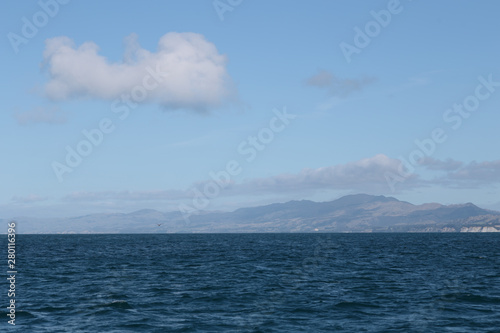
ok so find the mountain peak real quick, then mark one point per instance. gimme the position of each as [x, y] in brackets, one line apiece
[145, 212]
[356, 199]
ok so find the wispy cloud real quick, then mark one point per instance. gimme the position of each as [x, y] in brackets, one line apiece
[474, 175]
[337, 86]
[457, 174]
[48, 115]
[439, 165]
[127, 195]
[187, 72]
[198, 141]
[28, 199]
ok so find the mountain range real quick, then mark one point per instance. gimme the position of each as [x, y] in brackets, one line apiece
[352, 213]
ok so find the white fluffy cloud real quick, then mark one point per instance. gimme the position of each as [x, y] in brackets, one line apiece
[190, 73]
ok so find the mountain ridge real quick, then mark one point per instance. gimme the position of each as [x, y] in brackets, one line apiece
[351, 213]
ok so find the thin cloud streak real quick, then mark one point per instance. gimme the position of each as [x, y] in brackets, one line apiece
[28, 199]
[37, 115]
[126, 195]
[335, 86]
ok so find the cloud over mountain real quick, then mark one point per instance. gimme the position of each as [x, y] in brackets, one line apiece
[474, 175]
[368, 175]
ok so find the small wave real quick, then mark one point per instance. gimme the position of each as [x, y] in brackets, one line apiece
[24, 314]
[50, 309]
[116, 304]
[348, 304]
[469, 298]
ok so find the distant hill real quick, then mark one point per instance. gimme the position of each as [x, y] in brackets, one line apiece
[352, 213]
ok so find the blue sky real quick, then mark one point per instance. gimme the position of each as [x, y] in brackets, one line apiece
[280, 100]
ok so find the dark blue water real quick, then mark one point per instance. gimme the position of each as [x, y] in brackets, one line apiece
[257, 283]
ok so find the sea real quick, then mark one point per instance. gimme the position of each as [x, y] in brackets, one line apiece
[386, 282]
